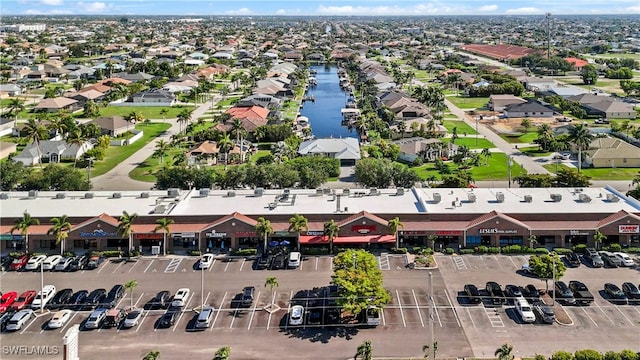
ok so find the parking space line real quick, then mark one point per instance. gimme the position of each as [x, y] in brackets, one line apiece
[301, 264]
[498, 262]
[253, 312]
[417, 307]
[400, 307]
[148, 266]
[435, 308]
[483, 263]
[317, 259]
[470, 317]
[218, 312]
[206, 298]
[586, 313]
[605, 314]
[68, 321]
[27, 326]
[173, 265]
[141, 321]
[137, 301]
[273, 299]
[455, 313]
[117, 267]
[625, 316]
[241, 265]
[212, 263]
[186, 306]
[384, 321]
[286, 323]
[331, 263]
[513, 262]
[227, 266]
[104, 265]
[134, 265]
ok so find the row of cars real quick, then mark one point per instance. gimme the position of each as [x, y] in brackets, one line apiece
[526, 300]
[27, 262]
[600, 259]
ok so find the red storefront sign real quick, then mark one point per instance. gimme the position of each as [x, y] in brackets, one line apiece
[448, 232]
[148, 236]
[629, 229]
[363, 229]
[245, 233]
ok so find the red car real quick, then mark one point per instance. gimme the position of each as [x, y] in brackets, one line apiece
[24, 300]
[19, 263]
[7, 300]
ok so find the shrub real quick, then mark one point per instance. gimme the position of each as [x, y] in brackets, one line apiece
[615, 247]
[466, 251]
[402, 250]
[579, 248]
[493, 250]
[562, 251]
[244, 252]
[541, 251]
[424, 251]
[539, 357]
[562, 355]
[111, 253]
[481, 249]
[627, 354]
[587, 354]
[195, 252]
[633, 250]
[16, 254]
[69, 254]
[449, 251]
[612, 355]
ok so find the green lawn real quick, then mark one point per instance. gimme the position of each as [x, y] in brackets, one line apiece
[117, 154]
[468, 103]
[534, 151]
[525, 138]
[470, 142]
[148, 112]
[601, 173]
[462, 127]
[497, 169]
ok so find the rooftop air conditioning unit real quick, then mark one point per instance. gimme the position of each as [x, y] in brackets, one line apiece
[472, 198]
[116, 195]
[584, 198]
[610, 197]
[287, 191]
[258, 192]
[144, 195]
[172, 193]
[33, 193]
[326, 191]
[319, 192]
[203, 192]
[400, 191]
[373, 191]
[231, 194]
[500, 197]
[60, 196]
[528, 198]
[88, 195]
[345, 191]
[4, 196]
[556, 197]
[160, 209]
[437, 198]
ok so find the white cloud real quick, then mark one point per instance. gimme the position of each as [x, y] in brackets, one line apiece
[92, 7]
[633, 9]
[49, 12]
[52, 2]
[381, 10]
[281, 12]
[488, 8]
[241, 11]
[524, 11]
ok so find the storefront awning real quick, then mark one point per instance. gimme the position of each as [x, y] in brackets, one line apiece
[364, 239]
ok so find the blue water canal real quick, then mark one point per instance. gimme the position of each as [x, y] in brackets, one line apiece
[324, 114]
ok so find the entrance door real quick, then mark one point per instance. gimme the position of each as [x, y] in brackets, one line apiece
[52, 245]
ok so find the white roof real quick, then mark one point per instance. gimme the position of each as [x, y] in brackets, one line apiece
[342, 148]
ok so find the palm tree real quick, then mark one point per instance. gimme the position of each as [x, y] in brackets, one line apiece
[15, 106]
[331, 229]
[581, 137]
[152, 355]
[23, 225]
[131, 285]
[223, 353]
[393, 225]
[271, 282]
[237, 128]
[486, 153]
[57, 125]
[135, 117]
[161, 150]
[163, 224]
[60, 230]
[124, 227]
[164, 113]
[598, 239]
[297, 223]
[545, 136]
[365, 351]
[91, 109]
[36, 132]
[225, 145]
[426, 350]
[75, 138]
[264, 229]
[504, 352]
[184, 117]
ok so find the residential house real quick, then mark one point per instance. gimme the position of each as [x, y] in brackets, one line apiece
[527, 109]
[345, 149]
[251, 117]
[10, 90]
[499, 102]
[85, 95]
[51, 151]
[578, 64]
[607, 152]
[112, 125]
[425, 149]
[137, 77]
[604, 106]
[208, 150]
[154, 98]
[56, 104]
[272, 103]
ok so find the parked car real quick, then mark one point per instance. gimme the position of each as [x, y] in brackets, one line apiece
[64, 264]
[114, 317]
[472, 293]
[247, 295]
[60, 299]
[43, 296]
[544, 313]
[95, 298]
[595, 260]
[294, 259]
[204, 318]
[7, 300]
[601, 121]
[632, 292]
[524, 309]
[20, 319]
[133, 318]
[625, 259]
[615, 294]
[181, 297]
[564, 295]
[610, 260]
[527, 270]
[5, 262]
[4, 320]
[314, 316]
[513, 291]
[572, 259]
[161, 300]
[531, 293]
[495, 291]
[19, 263]
[263, 262]
[59, 319]
[296, 317]
[35, 262]
[77, 300]
[206, 261]
[116, 292]
[94, 262]
[168, 319]
[50, 262]
[96, 318]
[24, 300]
[581, 292]
[79, 263]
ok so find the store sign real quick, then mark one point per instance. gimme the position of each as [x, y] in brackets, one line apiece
[629, 229]
[281, 233]
[578, 232]
[497, 231]
[215, 234]
[315, 233]
[148, 236]
[413, 232]
[363, 229]
[246, 233]
[97, 233]
[448, 232]
[184, 235]
[9, 237]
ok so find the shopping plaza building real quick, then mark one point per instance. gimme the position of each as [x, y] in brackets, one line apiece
[211, 220]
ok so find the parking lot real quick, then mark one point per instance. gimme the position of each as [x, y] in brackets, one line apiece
[461, 329]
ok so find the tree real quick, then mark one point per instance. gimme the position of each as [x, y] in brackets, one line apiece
[581, 137]
[55, 177]
[60, 230]
[486, 153]
[598, 239]
[15, 106]
[543, 265]
[562, 355]
[567, 177]
[91, 109]
[225, 145]
[526, 124]
[36, 132]
[237, 128]
[13, 173]
[184, 117]
[504, 352]
[162, 147]
[23, 224]
[426, 349]
[163, 225]
[264, 229]
[393, 225]
[57, 125]
[164, 113]
[124, 227]
[75, 138]
[297, 223]
[365, 351]
[130, 286]
[331, 230]
[587, 354]
[152, 355]
[223, 353]
[533, 241]
[271, 282]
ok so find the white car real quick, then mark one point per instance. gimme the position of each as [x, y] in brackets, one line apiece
[64, 264]
[43, 296]
[297, 315]
[51, 262]
[133, 318]
[96, 318]
[35, 262]
[19, 319]
[180, 298]
[206, 261]
[625, 259]
[59, 319]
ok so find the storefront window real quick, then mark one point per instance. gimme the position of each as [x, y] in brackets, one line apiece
[117, 242]
[244, 242]
[510, 240]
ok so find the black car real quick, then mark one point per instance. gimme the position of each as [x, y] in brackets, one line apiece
[279, 262]
[531, 293]
[632, 292]
[544, 313]
[77, 300]
[615, 294]
[572, 259]
[563, 294]
[263, 262]
[332, 316]
[94, 262]
[247, 295]
[79, 263]
[472, 293]
[495, 291]
[60, 299]
[95, 298]
[5, 262]
[330, 295]
[168, 319]
[513, 291]
[116, 292]
[314, 316]
[161, 300]
[4, 319]
[609, 262]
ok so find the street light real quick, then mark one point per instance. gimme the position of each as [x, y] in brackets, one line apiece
[477, 119]
[201, 284]
[41, 287]
[509, 164]
[553, 259]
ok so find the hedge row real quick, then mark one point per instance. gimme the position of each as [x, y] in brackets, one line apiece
[244, 252]
[589, 354]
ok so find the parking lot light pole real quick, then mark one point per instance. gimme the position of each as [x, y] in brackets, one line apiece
[553, 259]
[431, 315]
[41, 288]
[201, 285]
[509, 163]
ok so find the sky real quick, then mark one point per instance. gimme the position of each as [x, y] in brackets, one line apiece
[317, 7]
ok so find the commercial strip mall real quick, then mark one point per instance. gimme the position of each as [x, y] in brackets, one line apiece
[212, 220]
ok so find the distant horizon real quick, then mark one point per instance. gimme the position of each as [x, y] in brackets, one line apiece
[346, 8]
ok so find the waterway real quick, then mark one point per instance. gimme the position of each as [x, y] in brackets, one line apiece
[324, 114]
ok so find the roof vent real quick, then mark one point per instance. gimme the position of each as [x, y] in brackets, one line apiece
[472, 198]
[584, 198]
[400, 191]
[500, 197]
[556, 197]
[172, 193]
[610, 198]
[374, 191]
[160, 209]
[116, 195]
[60, 196]
[326, 191]
[528, 198]
[319, 192]
[88, 195]
[4, 196]
[259, 191]
[231, 194]
[345, 191]
[33, 193]
[204, 192]
[437, 198]
[144, 195]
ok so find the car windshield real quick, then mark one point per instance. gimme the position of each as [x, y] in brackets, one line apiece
[133, 315]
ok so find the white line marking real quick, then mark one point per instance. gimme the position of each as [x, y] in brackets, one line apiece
[218, 312]
[436, 310]
[286, 323]
[625, 316]
[605, 314]
[241, 265]
[206, 298]
[117, 267]
[103, 266]
[273, 299]
[137, 301]
[400, 306]
[317, 258]
[301, 264]
[148, 266]
[253, 312]
[498, 262]
[134, 264]
[586, 313]
[455, 313]
[141, 321]
[470, 317]
[226, 267]
[417, 307]
[212, 263]
[514, 263]
[186, 306]
[384, 321]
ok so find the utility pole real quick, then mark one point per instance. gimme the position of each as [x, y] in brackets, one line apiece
[431, 316]
[548, 16]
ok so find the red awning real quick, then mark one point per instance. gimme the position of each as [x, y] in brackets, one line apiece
[362, 239]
